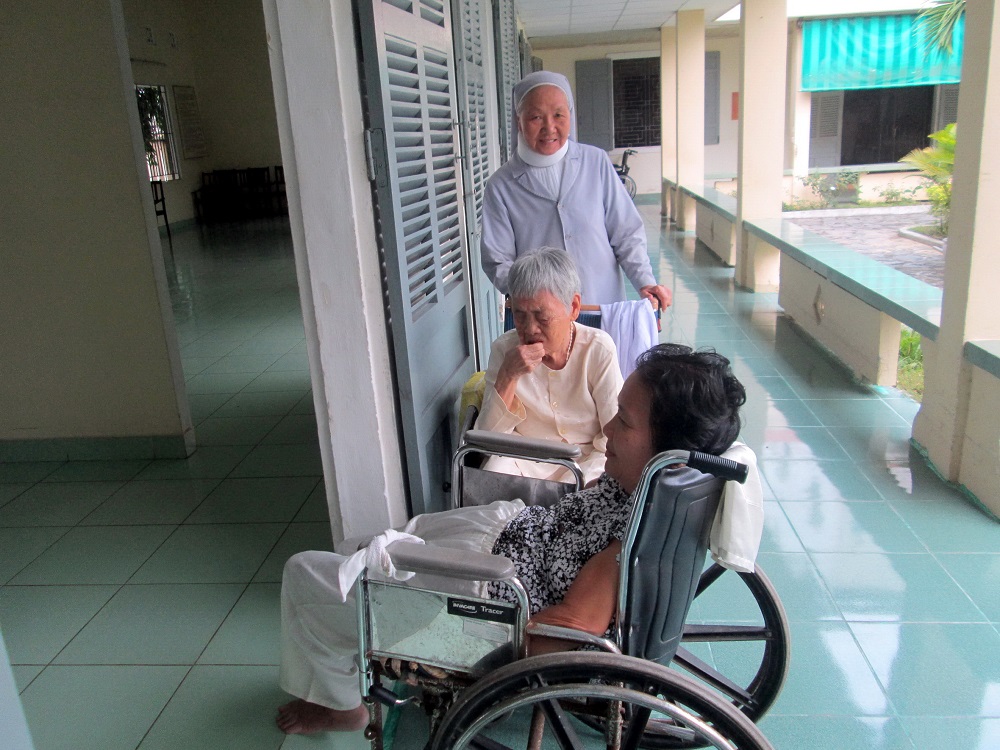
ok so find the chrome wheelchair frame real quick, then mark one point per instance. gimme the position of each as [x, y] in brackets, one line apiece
[619, 694]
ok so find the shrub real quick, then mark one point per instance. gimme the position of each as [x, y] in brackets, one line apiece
[910, 369]
[940, 196]
[832, 188]
[936, 163]
[893, 195]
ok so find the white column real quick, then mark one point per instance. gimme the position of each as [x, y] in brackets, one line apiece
[668, 117]
[972, 263]
[761, 150]
[315, 76]
[798, 116]
[15, 726]
[690, 110]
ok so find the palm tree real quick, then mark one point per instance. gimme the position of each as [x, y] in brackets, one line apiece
[937, 162]
[939, 21]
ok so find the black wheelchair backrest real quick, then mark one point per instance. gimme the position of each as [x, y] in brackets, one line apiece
[665, 560]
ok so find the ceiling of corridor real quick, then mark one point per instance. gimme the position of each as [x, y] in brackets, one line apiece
[565, 17]
[569, 18]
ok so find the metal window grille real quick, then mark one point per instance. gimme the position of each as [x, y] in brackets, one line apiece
[157, 133]
[637, 102]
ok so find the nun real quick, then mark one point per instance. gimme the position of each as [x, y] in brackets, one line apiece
[559, 193]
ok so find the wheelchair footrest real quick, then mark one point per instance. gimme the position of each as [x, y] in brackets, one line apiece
[386, 697]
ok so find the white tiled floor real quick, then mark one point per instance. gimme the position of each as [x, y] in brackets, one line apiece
[139, 599]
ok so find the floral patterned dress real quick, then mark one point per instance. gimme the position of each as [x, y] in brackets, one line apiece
[550, 545]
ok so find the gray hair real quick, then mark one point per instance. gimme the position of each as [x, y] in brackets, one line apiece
[547, 269]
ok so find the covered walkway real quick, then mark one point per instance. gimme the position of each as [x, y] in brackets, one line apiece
[165, 572]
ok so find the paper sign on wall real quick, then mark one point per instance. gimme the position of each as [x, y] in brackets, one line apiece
[193, 141]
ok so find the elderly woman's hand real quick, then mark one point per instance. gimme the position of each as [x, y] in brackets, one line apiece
[519, 361]
[523, 359]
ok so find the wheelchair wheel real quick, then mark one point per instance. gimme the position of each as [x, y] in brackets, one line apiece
[574, 691]
[630, 185]
[745, 660]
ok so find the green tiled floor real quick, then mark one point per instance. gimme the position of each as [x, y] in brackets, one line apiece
[139, 599]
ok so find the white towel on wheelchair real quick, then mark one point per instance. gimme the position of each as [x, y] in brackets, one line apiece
[739, 521]
[632, 326]
[375, 558]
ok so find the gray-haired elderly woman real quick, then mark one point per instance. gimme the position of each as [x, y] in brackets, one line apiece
[550, 378]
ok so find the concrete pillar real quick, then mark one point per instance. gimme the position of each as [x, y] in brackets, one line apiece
[690, 111]
[668, 117]
[315, 74]
[761, 148]
[91, 364]
[798, 116]
[972, 263]
[15, 726]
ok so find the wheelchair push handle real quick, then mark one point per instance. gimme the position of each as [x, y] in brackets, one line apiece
[724, 468]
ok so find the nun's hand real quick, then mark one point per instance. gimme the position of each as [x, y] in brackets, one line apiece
[658, 294]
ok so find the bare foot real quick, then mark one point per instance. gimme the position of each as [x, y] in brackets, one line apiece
[303, 717]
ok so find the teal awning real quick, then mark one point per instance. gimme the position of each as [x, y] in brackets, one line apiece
[875, 52]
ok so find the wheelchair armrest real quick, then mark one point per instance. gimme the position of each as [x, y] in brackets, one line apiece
[570, 634]
[454, 563]
[520, 445]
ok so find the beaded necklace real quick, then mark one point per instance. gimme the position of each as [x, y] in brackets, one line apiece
[572, 339]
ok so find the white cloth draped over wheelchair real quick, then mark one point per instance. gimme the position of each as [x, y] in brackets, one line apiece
[374, 558]
[319, 624]
[739, 521]
[632, 326]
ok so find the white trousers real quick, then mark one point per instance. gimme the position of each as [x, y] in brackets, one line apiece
[319, 631]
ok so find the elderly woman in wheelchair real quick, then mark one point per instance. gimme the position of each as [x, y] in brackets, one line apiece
[550, 378]
[566, 557]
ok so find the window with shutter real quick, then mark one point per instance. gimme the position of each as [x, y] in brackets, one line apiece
[826, 111]
[945, 105]
[713, 92]
[595, 116]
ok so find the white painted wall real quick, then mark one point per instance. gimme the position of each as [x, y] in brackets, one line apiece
[645, 165]
[88, 342]
[164, 62]
[234, 75]
[219, 48]
[720, 160]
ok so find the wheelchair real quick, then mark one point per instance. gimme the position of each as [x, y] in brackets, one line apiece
[622, 170]
[648, 685]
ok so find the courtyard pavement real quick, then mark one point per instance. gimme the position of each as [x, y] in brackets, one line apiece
[877, 235]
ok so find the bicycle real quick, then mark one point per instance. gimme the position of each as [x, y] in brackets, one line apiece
[622, 171]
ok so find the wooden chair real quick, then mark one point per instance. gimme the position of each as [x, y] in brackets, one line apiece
[160, 207]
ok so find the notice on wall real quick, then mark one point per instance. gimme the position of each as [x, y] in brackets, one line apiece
[194, 144]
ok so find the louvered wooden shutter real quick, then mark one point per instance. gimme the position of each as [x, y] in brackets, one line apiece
[945, 105]
[508, 66]
[412, 113]
[471, 20]
[826, 114]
